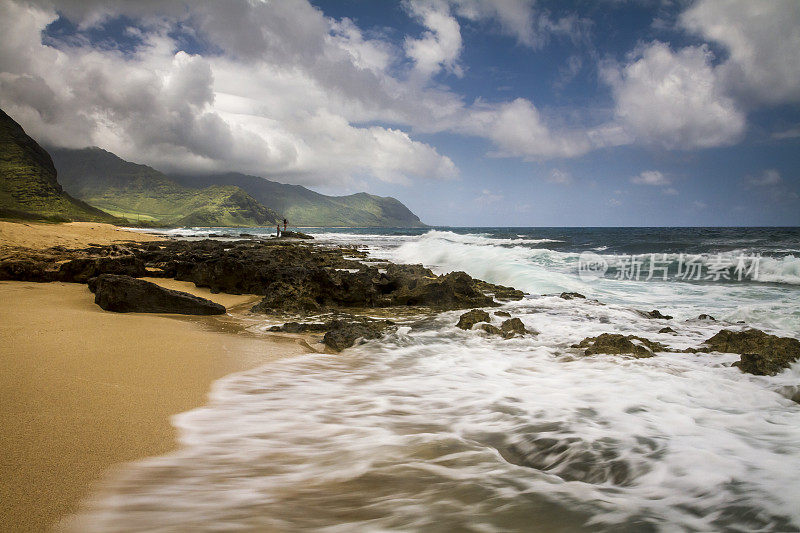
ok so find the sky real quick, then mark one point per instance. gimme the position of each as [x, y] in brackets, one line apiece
[471, 112]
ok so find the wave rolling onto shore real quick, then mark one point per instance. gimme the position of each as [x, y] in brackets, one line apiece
[434, 427]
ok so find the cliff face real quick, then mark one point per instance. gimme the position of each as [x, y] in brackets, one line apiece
[28, 184]
[142, 194]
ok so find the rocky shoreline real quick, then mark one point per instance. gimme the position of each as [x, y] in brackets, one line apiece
[301, 281]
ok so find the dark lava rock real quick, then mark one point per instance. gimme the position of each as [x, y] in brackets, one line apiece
[502, 313]
[490, 329]
[501, 292]
[82, 269]
[614, 343]
[455, 290]
[125, 294]
[655, 313]
[571, 295]
[470, 318]
[282, 296]
[762, 354]
[26, 270]
[513, 326]
[297, 327]
[295, 235]
[344, 334]
[666, 330]
[706, 317]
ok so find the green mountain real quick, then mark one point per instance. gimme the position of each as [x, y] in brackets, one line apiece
[304, 207]
[28, 185]
[142, 194]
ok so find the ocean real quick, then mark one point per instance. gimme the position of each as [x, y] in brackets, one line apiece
[437, 429]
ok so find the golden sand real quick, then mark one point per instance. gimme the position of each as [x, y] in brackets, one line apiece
[82, 389]
[39, 235]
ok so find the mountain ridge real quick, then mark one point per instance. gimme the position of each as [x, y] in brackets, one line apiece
[141, 193]
[304, 207]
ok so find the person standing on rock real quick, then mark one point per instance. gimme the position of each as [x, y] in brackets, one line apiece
[284, 224]
[278, 231]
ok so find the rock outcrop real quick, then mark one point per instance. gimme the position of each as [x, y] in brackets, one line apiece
[82, 269]
[295, 235]
[345, 333]
[761, 354]
[470, 318]
[655, 313]
[571, 295]
[617, 344]
[124, 294]
[512, 327]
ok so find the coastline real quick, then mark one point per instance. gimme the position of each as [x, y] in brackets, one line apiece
[84, 389]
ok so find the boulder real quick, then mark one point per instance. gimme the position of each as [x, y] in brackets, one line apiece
[666, 330]
[344, 334]
[655, 313]
[26, 270]
[502, 313]
[295, 235]
[513, 326]
[470, 318]
[455, 290]
[282, 296]
[706, 317]
[490, 329]
[571, 295]
[761, 354]
[296, 327]
[501, 292]
[82, 269]
[125, 294]
[615, 343]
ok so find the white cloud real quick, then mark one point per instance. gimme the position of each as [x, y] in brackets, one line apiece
[762, 38]
[521, 19]
[673, 99]
[651, 177]
[671, 191]
[280, 96]
[560, 177]
[440, 46]
[768, 178]
[518, 130]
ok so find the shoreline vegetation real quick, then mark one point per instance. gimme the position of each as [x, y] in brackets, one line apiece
[85, 389]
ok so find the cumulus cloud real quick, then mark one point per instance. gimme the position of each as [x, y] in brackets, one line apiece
[518, 130]
[762, 40]
[280, 94]
[651, 177]
[673, 99]
[440, 46]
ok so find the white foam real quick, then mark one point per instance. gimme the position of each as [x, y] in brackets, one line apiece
[438, 428]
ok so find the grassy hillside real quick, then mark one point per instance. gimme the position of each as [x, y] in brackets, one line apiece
[304, 207]
[140, 193]
[28, 185]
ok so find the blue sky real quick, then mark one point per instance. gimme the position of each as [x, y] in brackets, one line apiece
[472, 112]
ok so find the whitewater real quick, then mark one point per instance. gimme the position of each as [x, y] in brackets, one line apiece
[433, 428]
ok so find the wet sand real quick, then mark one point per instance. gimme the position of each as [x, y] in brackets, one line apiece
[82, 389]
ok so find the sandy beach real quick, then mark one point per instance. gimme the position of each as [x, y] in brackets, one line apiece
[82, 389]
